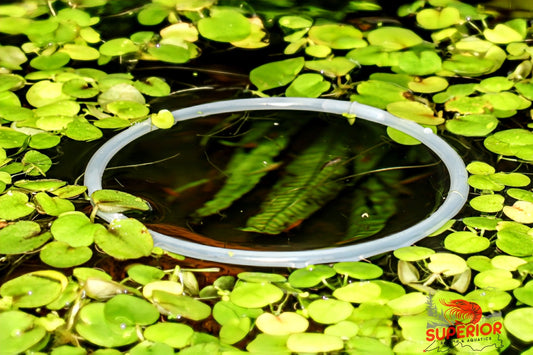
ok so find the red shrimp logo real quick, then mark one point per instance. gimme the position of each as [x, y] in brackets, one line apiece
[462, 312]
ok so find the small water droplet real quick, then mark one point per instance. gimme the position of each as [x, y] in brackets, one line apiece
[30, 292]
[365, 215]
[122, 325]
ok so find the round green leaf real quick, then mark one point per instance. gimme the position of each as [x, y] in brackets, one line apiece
[14, 205]
[314, 343]
[19, 331]
[180, 306]
[310, 276]
[329, 311]
[414, 111]
[465, 242]
[79, 88]
[74, 228]
[61, 255]
[518, 142]
[490, 300]
[409, 304]
[144, 274]
[433, 19]
[477, 125]
[45, 92]
[80, 129]
[428, 85]
[487, 203]
[480, 168]
[34, 289]
[153, 86]
[260, 277]
[520, 211]
[295, 22]
[128, 109]
[519, 323]
[93, 326]
[496, 279]
[255, 295]
[447, 264]
[337, 36]
[125, 239]
[53, 206]
[413, 253]
[358, 270]
[520, 194]
[176, 335]
[484, 182]
[50, 62]
[393, 38]
[276, 74]
[225, 25]
[11, 82]
[282, 324]
[358, 292]
[44, 140]
[118, 46]
[36, 163]
[331, 67]
[80, 51]
[163, 119]
[514, 242]
[170, 53]
[422, 63]
[308, 85]
[117, 201]
[21, 237]
[130, 310]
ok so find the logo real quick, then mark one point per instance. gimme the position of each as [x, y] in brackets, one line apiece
[460, 324]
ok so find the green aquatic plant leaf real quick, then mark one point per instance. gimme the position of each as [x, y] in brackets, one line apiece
[93, 326]
[329, 311]
[53, 206]
[52, 61]
[225, 25]
[464, 242]
[34, 289]
[74, 228]
[118, 47]
[393, 38]
[311, 181]
[14, 205]
[19, 331]
[308, 85]
[331, 67]
[282, 324]
[314, 343]
[413, 253]
[476, 125]
[310, 276]
[178, 306]
[61, 255]
[21, 237]
[488, 203]
[415, 111]
[117, 201]
[125, 239]
[337, 36]
[175, 335]
[514, 142]
[255, 295]
[433, 19]
[276, 74]
[358, 270]
[130, 310]
[519, 322]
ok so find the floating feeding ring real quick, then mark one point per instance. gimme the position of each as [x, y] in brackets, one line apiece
[453, 203]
